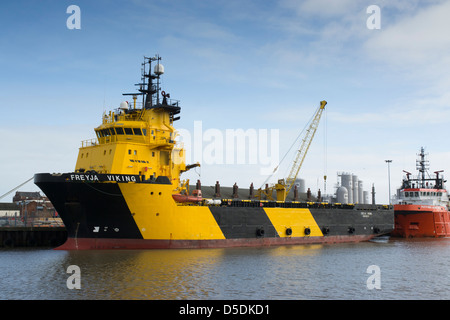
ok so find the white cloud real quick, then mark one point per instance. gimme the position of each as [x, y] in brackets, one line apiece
[414, 41]
[410, 114]
[321, 8]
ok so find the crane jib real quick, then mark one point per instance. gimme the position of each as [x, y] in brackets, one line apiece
[306, 142]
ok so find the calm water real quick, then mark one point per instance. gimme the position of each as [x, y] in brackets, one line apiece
[417, 269]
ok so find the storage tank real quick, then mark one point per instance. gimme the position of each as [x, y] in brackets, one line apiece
[360, 192]
[355, 188]
[347, 182]
[301, 184]
[366, 197]
[342, 195]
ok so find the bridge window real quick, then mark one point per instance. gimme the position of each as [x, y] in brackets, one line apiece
[128, 131]
[137, 131]
[119, 130]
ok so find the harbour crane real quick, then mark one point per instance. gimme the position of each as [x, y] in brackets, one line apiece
[284, 186]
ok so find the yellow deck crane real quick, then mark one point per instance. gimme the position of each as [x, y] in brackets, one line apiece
[285, 185]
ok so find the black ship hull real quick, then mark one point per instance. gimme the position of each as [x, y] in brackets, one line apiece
[123, 212]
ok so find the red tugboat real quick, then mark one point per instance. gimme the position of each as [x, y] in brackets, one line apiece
[423, 204]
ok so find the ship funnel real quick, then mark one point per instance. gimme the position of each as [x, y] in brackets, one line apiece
[159, 69]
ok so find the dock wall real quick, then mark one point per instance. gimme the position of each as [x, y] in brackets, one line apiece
[11, 237]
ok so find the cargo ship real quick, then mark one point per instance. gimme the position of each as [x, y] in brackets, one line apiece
[126, 191]
[422, 208]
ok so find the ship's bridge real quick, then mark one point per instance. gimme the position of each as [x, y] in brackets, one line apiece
[152, 126]
[423, 196]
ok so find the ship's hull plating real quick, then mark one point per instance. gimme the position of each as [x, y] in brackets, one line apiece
[116, 212]
[415, 221]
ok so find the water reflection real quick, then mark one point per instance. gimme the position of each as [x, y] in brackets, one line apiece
[155, 274]
[416, 269]
[190, 274]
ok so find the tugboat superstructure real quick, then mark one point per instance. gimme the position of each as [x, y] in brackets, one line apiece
[126, 191]
[423, 204]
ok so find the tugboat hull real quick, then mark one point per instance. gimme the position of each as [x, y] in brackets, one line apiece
[413, 221]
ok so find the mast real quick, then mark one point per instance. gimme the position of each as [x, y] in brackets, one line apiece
[146, 87]
[422, 166]
[422, 181]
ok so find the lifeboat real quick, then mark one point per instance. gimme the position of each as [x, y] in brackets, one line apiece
[195, 197]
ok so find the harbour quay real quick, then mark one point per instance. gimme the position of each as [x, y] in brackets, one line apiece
[30, 221]
[12, 237]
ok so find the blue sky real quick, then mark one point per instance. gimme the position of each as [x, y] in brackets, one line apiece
[233, 64]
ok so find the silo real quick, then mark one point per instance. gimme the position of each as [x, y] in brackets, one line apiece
[360, 192]
[355, 188]
[342, 195]
[346, 181]
[302, 188]
[301, 185]
[366, 197]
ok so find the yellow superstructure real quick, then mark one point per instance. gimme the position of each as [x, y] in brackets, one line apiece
[137, 141]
